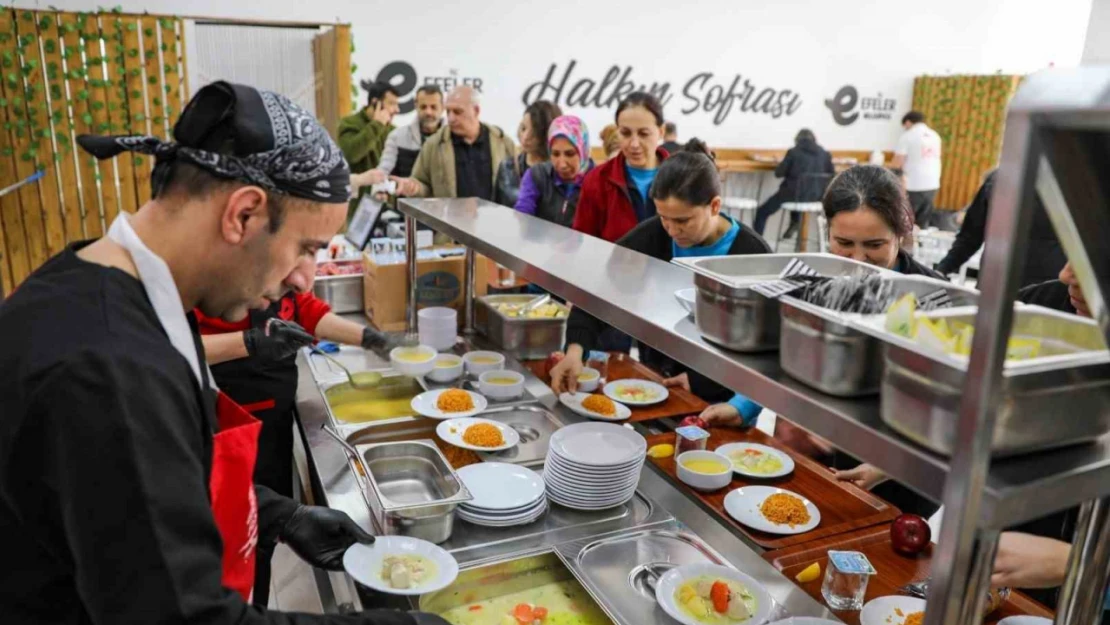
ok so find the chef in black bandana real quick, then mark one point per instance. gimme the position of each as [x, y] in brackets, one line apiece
[126, 491]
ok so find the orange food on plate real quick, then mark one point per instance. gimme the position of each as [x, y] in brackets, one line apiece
[785, 510]
[455, 400]
[483, 435]
[916, 618]
[600, 404]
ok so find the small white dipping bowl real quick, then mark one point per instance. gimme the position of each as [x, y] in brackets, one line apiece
[704, 481]
[444, 373]
[497, 391]
[497, 361]
[422, 361]
[588, 380]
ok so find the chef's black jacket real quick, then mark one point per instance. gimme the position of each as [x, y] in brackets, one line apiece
[105, 452]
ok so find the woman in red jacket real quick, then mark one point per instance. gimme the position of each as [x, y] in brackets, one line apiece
[616, 195]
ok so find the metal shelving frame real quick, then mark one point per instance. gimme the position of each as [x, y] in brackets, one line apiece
[1057, 142]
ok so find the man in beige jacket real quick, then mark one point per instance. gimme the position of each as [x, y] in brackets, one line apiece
[462, 158]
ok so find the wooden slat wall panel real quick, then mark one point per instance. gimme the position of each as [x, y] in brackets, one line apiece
[99, 86]
[60, 123]
[16, 262]
[343, 69]
[113, 27]
[173, 68]
[38, 116]
[136, 105]
[14, 94]
[152, 87]
[82, 100]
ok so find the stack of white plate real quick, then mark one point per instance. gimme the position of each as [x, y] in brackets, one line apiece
[593, 466]
[503, 495]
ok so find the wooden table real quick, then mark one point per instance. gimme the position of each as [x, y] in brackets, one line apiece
[893, 570]
[679, 403]
[843, 507]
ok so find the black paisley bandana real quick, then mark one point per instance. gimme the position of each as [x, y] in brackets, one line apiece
[245, 134]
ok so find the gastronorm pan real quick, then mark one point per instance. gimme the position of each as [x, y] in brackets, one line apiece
[729, 313]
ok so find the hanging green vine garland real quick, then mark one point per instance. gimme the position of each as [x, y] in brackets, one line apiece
[36, 95]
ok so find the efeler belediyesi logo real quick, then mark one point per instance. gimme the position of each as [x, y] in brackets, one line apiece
[402, 75]
[846, 106]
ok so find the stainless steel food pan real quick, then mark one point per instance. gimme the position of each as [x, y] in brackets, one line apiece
[1060, 398]
[343, 293]
[729, 313]
[521, 579]
[822, 349]
[414, 490]
[522, 339]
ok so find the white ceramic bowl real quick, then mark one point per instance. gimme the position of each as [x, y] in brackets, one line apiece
[443, 373]
[704, 481]
[497, 391]
[416, 367]
[478, 368]
[588, 385]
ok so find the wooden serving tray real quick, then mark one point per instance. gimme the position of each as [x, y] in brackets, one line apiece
[893, 570]
[843, 507]
[679, 403]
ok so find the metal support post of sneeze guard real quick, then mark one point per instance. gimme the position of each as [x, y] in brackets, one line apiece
[410, 264]
[14, 187]
[468, 292]
[965, 551]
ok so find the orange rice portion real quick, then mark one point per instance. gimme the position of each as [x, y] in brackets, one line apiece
[483, 435]
[600, 404]
[785, 510]
[455, 400]
[916, 618]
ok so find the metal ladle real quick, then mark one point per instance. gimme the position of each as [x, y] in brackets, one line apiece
[360, 379]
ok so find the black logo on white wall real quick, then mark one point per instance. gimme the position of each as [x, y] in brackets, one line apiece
[402, 75]
[846, 106]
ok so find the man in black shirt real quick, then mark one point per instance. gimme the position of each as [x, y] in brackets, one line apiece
[125, 480]
[461, 159]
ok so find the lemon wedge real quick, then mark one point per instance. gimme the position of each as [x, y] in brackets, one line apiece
[663, 450]
[809, 574]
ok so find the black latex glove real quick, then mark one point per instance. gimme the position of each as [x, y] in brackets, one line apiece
[276, 340]
[320, 536]
[423, 618]
[382, 342]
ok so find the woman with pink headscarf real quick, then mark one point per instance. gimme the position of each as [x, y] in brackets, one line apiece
[550, 190]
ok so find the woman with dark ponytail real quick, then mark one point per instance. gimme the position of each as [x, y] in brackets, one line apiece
[689, 222]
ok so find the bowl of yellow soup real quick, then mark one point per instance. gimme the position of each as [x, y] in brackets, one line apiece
[478, 363]
[448, 367]
[501, 384]
[588, 380]
[413, 361]
[704, 470]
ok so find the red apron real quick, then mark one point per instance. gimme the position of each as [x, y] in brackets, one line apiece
[234, 505]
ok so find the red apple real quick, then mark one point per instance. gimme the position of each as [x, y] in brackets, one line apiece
[694, 420]
[910, 534]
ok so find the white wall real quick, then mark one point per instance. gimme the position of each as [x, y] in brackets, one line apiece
[809, 48]
[1097, 49]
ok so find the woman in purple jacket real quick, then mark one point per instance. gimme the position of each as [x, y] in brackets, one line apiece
[550, 190]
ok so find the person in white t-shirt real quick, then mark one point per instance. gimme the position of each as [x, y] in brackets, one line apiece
[918, 156]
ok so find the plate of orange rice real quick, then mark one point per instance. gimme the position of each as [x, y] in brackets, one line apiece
[772, 510]
[449, 403]
[478, 434]
[595, 406]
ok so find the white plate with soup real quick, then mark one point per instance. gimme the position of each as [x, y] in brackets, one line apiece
[401, 565]
[759, 461]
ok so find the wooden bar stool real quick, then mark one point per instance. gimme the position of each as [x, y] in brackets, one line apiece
[807, 202]
[741, 209]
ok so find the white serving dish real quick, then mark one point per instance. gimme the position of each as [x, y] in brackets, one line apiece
[452, 430]
[478, 368]
[704, 481]
[413, 369]
[590, 384]
[743, 505]
[656, 393]
[574, 402]
[787, 461]
[364, 563]
[500, 392]
[425, 404]
[446, 374]
[670, 582]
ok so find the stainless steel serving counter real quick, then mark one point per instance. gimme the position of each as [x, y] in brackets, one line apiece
[326, 468]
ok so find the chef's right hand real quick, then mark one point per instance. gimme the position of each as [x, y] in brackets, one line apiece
[276, 340]
[564, 375]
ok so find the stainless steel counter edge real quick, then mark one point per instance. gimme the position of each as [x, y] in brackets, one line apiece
[633, 292]
[329, 468]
